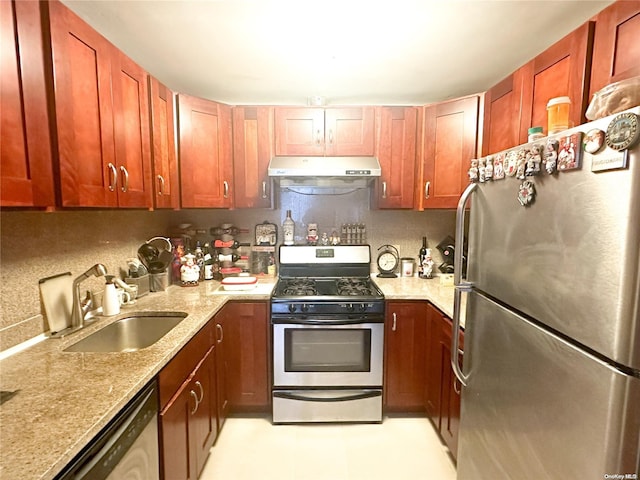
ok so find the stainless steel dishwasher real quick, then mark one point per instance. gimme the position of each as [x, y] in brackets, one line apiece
[127, 448]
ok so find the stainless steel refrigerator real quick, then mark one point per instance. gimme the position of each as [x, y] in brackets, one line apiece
[552, 329]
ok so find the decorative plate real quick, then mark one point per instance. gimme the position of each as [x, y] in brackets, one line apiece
[623, 131]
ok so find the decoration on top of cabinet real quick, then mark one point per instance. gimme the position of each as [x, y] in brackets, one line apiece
[511, 163]
[570, 152]
[526, 193]
[473, 171]
[623, 131]
[593, 141]
[482, 177]
[534, 159]
[488, 171]
[551, 156]
[266, 233]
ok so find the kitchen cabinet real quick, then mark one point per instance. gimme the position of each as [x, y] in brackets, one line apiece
[449, 422]
[405, 345]
[101, 110]
[449, 144]
[188, 407]
[26, 161]
[252, 150]
[340, 131]
[205, 153]
[396, 151]
[246, 331]
[502, 115]
[561, 70]
[616, 44]
[166, 190]
[222, 367]
[433, 356]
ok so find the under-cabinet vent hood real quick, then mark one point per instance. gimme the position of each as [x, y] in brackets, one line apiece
[324, 172]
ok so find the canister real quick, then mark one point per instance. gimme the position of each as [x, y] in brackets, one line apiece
[407, 265]
[558, 114]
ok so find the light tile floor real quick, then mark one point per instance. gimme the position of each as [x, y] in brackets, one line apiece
[400, 448]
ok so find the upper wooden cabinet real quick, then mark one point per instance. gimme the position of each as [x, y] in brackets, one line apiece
[616, 45]
[396, 151]
[561, 70]
[252, 151]
[101, 165]
[166, 189]
[344, 131]
[502, 115]
[449, 143]
[205, 153]
[26, 169]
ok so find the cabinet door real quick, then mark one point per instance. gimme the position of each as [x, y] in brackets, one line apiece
[502, 115]
[396, 151]
[205, 153]
[177, 458]
[203, 425]
[561, 70]
[26, 168]
[450, 392]
[299, 131]
[247, 354]
[405, 345]
[252, 151]
[83, 106]
[433, 383]
[349, 131]
[222, 367]
[131, 131]
[449, 145]
[616, 44]
[166, 192]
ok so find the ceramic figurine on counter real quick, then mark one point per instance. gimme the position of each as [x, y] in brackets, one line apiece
[189, 272]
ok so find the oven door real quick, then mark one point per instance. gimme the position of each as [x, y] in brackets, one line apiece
[327, 352]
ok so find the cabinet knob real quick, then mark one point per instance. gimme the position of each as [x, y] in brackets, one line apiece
[264, 189]
[114, 177]
[384, 189]
[225, 185]
[427, 187]
[125, 179]
[395, 321]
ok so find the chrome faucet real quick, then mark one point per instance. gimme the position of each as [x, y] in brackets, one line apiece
[78, 312]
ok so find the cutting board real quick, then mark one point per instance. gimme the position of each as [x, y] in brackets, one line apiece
[56, 293]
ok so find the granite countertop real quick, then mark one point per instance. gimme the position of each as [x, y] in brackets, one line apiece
[64, 399]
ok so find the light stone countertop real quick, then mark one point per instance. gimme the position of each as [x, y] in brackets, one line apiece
[66, 398]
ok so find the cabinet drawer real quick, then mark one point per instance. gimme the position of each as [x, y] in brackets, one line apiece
[173, 375]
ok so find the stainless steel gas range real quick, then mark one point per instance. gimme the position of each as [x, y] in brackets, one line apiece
[327, 320]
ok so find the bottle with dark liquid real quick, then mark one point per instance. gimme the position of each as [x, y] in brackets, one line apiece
[217, 231]
[422, 257]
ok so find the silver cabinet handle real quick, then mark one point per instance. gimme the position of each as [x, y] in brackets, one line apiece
[264, 189]
[456, 388]
[331, 136]
[225, 185]
[427, 187]
[195, 397]
[160, 185]
[199, 385]
[395, 321]
[219, 328]
[114, 177]
[125, 179]
[318, 139]
[384, 189]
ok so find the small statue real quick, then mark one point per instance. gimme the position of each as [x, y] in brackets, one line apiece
[521, 165]
[473, 171]
[481, 171]
[189, 272]
[498, 167]
[488, 170]
[551, 157]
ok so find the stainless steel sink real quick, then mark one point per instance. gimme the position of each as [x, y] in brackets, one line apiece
[130, 333]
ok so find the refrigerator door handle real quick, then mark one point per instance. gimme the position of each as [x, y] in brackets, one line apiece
[458, 254]
[455, 336]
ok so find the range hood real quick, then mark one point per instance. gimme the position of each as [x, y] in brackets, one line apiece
[324, 172]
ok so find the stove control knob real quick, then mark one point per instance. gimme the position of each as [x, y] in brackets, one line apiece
[304, 307]
[351, 307]
[362, 307]
[292, 307]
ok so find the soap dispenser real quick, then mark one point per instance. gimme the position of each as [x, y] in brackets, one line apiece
[110, 301]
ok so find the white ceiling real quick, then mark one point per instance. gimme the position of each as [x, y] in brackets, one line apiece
[402, 52]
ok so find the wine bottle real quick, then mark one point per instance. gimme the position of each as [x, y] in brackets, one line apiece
[200, 260]
[288, 228]
[208, 263]
[422, 257]
[232, 257]
[232, 244]
[217, 231]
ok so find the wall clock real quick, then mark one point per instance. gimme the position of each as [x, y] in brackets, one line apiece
[388, 260]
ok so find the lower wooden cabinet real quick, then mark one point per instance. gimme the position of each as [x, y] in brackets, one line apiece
[449, 421]
[405, 345]
[189, 423]
[433, 357]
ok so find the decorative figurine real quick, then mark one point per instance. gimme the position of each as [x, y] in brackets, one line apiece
[189, 272]
[473, 171]
[481, 170]
[526, 193]
[511, 163]
[498, 167]
[488, 170]
[551, 156]
[569, 154]
[521, 164]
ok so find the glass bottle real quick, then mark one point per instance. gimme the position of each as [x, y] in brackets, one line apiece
[288, 229]
[422, 256]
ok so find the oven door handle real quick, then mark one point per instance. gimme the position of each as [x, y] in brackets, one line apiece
[343, 398]
[326, 322]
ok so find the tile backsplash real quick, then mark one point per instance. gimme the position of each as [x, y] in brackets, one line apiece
[36, 245]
